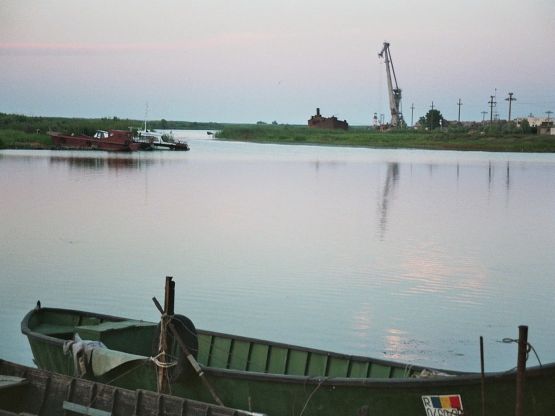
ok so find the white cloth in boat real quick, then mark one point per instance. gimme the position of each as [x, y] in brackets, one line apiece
[96, 356]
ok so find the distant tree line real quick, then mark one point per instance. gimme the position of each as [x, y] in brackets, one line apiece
[32, 124]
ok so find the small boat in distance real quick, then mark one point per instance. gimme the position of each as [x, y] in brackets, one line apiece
[269, 377]
[111, 140]
[152, 140]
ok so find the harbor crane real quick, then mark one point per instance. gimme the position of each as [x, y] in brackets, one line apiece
[394, 93]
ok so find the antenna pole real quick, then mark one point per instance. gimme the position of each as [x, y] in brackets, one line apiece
[146, 114]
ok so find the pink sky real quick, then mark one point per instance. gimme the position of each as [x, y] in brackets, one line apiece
[244, 61]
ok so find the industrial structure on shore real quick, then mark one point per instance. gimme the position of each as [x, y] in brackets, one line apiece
[394, 93]
[317, 121]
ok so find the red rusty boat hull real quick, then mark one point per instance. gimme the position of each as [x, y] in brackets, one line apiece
[116, 141]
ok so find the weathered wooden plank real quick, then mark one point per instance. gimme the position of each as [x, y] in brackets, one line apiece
[258, 358]
[338, 367]
[359, 369]
[84, 410]
[239, 355]
[317, 364]
[277, 363]
[7, 382]
[297, 361]
[220, 352]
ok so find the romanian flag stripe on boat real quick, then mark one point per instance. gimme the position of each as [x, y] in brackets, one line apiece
[451, 401]
[446, 402]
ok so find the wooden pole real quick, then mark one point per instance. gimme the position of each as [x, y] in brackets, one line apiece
[483, 384]
[190, 357]
[521, 369]
[169, 296]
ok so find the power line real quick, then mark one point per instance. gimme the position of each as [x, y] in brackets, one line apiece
[459, 104]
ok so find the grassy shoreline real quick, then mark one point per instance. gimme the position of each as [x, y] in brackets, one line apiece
[29, 132]
[16, 139]
[24, 132]
[359, 137]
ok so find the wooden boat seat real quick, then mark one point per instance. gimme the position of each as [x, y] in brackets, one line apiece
[108, 326]
[130, 336]
[55, 330]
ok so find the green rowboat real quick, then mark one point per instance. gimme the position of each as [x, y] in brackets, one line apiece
[273, 378]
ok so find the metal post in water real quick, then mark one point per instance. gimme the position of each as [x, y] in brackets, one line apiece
[521, 369]
[483, 376]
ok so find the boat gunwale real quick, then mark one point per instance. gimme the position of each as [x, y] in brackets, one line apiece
[415, 382]
[450, 377]
[26, 330]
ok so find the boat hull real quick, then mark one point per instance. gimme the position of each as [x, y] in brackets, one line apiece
[311, 392]
[120, 141]
[25, 390]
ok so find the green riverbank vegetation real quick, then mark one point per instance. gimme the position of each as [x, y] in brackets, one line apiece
[20, 131]
[505, 137]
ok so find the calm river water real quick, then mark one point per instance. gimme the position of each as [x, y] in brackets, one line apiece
[400, 254]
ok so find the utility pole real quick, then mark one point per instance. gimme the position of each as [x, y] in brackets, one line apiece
[432, 116]
[549, 115]
[459, 104]
[510, 99]
[491, 103]
[484, 116]
[496, 114]
[412, 115]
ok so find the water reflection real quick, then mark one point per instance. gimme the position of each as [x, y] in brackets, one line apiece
[396, 343]
[490, 176]
[97, 163]
[430, 270]
[508, 177]
[322, 163]
[235, 217]
[391, 180]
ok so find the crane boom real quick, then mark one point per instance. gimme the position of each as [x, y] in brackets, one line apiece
[394, 93]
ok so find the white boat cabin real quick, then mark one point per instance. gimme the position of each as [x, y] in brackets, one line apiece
[101, 134]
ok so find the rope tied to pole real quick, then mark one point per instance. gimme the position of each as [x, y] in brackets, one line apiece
[164, 363]
[529, 347]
